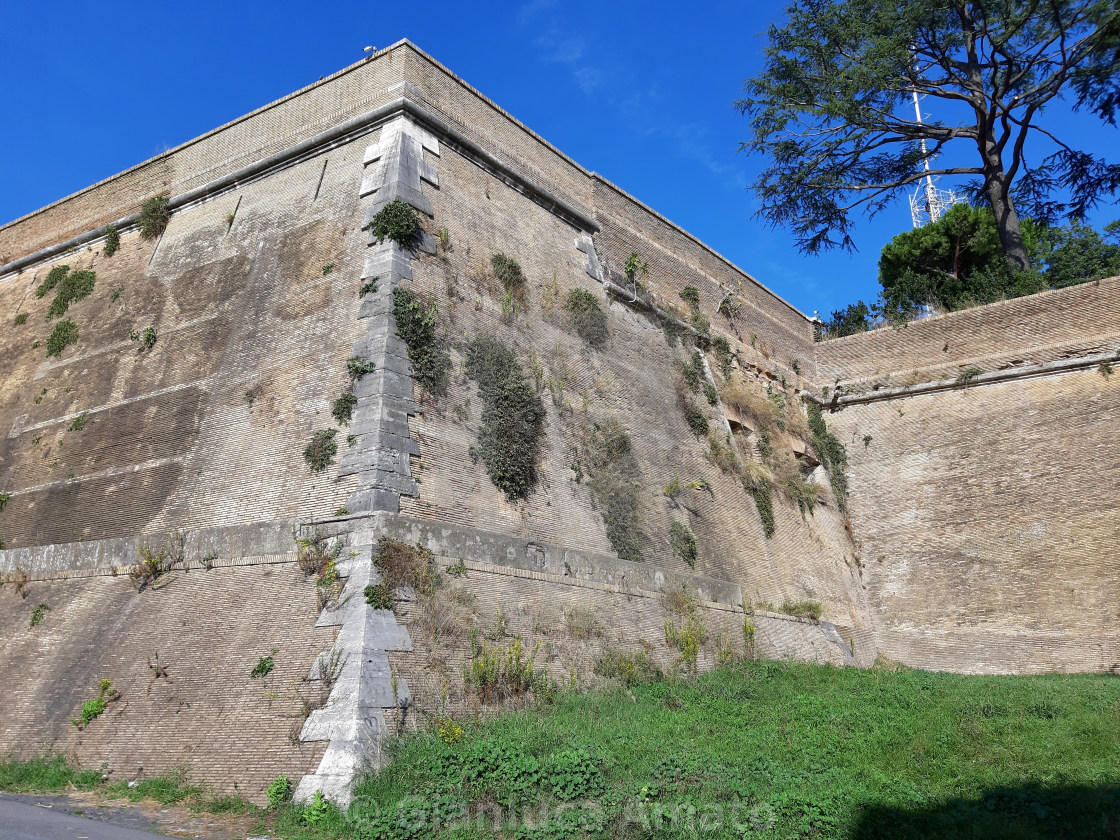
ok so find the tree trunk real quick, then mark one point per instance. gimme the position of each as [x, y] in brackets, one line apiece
[1007, 220]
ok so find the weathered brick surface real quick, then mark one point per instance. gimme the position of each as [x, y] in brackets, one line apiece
[1079, 320]
[987, 523]
[207, 716]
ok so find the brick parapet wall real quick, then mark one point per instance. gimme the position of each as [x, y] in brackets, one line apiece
[1058, 324]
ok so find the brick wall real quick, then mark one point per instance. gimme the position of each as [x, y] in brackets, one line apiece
[207, 716]
[1078, 320]
[985, 514]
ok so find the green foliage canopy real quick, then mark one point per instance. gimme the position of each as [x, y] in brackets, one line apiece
[833, 108]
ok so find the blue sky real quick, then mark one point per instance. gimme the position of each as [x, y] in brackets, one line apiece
[640, 92]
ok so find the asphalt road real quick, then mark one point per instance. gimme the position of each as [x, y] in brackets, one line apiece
[23, 821]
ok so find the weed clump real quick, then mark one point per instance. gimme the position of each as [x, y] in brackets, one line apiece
[615, 480]
[357, 367]
[696, 420]
[688, 639]
[152, 565]
[630, 668]
[72, 287]
[802, 609]
[683, 543]
[416, 325]
[38, 614]
[833, 455]
[91, 709]
[379, 596]
[21, 319]
[512, 417]
[279, 792]
[509, 274]
[759, 489]
[320, 452]
[112, 241]
[343, 409]
[396, 221]
[495, 674]
[401, 564]
[63, 335]
[55, 276]
[147, 337]
[263, 668]
[155, 215]
[588, 318]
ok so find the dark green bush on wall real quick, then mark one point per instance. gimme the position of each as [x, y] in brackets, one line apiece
[73, 287]
[155, 215]
[112, 241]
[396, 221]
[508, 271]
[832, 454]
[512, 417]
[616, 480]
[53, 278]
[683, 543]
[588, 318]
[320, 452]
[416, 325]
[343, 408]
[64, 334]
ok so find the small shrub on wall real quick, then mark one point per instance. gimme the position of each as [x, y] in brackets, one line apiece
[512, 417]
[509, 274]
[155, 215]
[606, 453]
[588, 318]
[396, 221]
[112, 241]
[64, 334]
[416, 325]
[320, 452]
[683, 543]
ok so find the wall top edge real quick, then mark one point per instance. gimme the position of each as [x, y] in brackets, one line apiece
[983, 310]
[698, 241]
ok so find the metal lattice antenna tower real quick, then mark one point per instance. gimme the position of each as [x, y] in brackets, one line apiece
[928, 203]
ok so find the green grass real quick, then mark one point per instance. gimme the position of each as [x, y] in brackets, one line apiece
[782, 750]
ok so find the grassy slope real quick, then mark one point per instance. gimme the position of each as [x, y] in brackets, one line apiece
[814, 751]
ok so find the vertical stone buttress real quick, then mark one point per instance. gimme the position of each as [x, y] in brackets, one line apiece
[353, 719]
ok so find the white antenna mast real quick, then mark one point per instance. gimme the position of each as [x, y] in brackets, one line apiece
[928, 203]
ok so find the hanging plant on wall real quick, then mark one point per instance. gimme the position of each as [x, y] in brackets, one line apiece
[512, 417]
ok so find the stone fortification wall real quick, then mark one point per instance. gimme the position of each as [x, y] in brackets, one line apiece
[985, 509]
[179, 656]
[1064, 323]
[259, 291]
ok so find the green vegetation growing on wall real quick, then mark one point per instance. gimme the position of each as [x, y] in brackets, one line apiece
[21, 319]
[832, 454]
[402, 564]
[763, 500]
[509, 274]
[721, 348]
[64, 334]
[588, 318]
[416, 325]
[343, 408]
[112, 241]
[55, 276]
[495, 674]
[512, 417]
[607, 455]
[357, 367]
[72, 286]
[696, 420]
[683, 543]
[155, 215]
[91, 709]
[320, 452]
[4, 500]
[147, 337]
[38, 614]
[396, 221]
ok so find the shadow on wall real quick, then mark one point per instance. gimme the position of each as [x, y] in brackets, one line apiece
[1003, 813]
